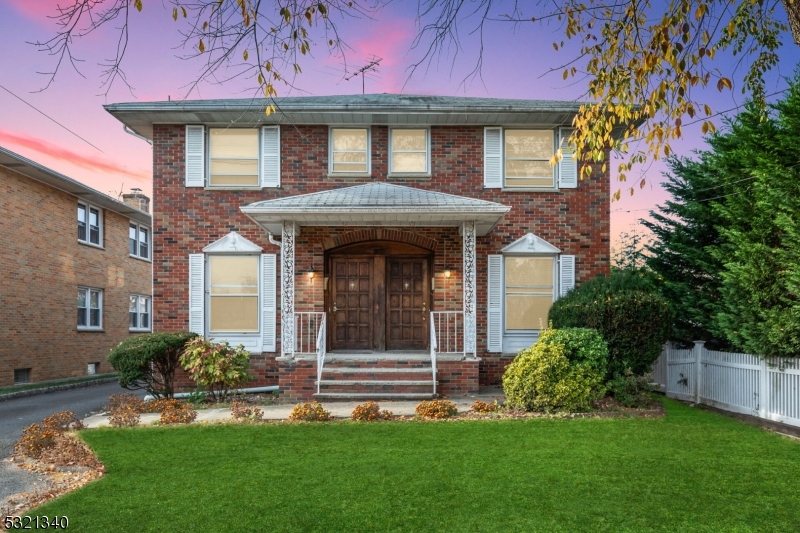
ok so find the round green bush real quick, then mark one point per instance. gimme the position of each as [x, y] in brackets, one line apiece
[628, 312]
[149, 361]
[543, 378]
[581, 345]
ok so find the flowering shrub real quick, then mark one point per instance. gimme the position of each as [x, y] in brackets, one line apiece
[483, 407]
[241, 410]
[370, 411]
[178, 414]
[436, 409]
[159, 405]
[38, 437]
[125, 416]
[216, 365]
[309, 412]
[125, 400]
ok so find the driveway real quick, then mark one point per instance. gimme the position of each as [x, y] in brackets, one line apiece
[19, 413]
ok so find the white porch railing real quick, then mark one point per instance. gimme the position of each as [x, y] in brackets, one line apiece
[433, 354]
[310, 335]
[738, 382]
[448, 328]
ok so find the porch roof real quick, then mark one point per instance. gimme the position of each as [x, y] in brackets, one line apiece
[376, 204]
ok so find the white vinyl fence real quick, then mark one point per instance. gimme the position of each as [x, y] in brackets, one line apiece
[739, 382]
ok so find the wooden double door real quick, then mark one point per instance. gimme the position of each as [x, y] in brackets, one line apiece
[378, 302]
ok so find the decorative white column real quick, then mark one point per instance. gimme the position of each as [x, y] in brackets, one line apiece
[287, 288]
[469, 268]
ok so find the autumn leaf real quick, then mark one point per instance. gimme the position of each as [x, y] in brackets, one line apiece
[138, 5]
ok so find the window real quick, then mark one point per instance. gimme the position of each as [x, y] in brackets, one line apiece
[409, 154]
[233, 157]
[527, 158]
[349, 151]
[529, 286]
[139, 313]
[90, 229]
[90, 308]
[233, 294]
[22, 375]
[139, 241]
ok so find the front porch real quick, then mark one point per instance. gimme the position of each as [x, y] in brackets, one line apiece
[378, 298]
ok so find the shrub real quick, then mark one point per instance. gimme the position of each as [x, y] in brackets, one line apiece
[37, 438]
[69, 450]
[628, 312]
[159, 405]
[631, 390]
[581, 346]
[436, 409]
[241, 410]
[309, 412]
[149, 361]
[178, 414]
[125, 400]
[483, 407]
[216, 365]
[370, 411]
[542, 378]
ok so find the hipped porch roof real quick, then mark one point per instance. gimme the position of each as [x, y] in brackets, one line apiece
[376, 204]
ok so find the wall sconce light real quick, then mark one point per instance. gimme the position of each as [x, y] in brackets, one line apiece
[447, 272]
[310, 273]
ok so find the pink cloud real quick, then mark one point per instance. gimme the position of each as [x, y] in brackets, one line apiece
[37, 10]
[389, 40]
[98, 164]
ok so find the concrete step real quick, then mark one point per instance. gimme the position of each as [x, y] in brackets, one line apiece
[373, 370]
[344, 396]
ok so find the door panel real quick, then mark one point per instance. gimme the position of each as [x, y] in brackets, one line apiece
[351, 303]
[407, 304]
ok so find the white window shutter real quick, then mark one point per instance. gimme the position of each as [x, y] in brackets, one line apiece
[567, 167]
[494, 329]
[195, 156]
[268, 309]
[197, 290]
[271, 156]
[493, 158]
[566, 276]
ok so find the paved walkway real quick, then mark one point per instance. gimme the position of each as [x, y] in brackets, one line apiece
[337, 409]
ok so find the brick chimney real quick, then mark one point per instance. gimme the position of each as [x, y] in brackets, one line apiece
[137, 199]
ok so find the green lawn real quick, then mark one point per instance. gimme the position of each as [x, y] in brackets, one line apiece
[690, 471]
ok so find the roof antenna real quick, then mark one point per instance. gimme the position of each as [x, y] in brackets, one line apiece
[372, 66]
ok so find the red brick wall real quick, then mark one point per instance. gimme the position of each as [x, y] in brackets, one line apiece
[188, 219]
[42, 265]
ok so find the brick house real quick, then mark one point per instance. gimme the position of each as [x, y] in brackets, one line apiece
[368, 246]
[46, 269]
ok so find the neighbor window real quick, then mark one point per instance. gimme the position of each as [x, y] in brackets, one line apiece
[233, 293]
[527, 158]
[529, 285]
[409, 151]
[139, 241]
[349, 150]
[233, 157]
[90, 221]
[90, 308]
[139, 312]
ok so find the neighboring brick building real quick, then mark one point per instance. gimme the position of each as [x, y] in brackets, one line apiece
[373, 216]
[50, 261]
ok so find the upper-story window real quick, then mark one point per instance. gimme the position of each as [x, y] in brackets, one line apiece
[527, 158]
[139, 313]
[90, 224]
[349, 148]
[409, 153]
[519, 159]
[139, 241]
[233, 157]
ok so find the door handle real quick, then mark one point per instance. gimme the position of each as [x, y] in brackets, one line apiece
[335, 308]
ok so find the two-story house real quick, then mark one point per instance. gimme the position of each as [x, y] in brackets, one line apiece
[72, 287]
[368, 246]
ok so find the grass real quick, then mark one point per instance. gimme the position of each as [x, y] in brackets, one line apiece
[692, 470]
[46, 384]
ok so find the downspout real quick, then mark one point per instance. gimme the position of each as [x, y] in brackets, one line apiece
[273, 241]
[131, 132]
[251, 390]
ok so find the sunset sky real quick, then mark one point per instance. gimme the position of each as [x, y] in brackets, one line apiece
[516, 60]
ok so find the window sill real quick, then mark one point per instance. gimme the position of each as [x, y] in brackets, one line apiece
[91, 330]
[530, 189]
[145, 259]
[409, 175]
[93, 245]
[237, 188]
[350, 175]
[139, 330]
